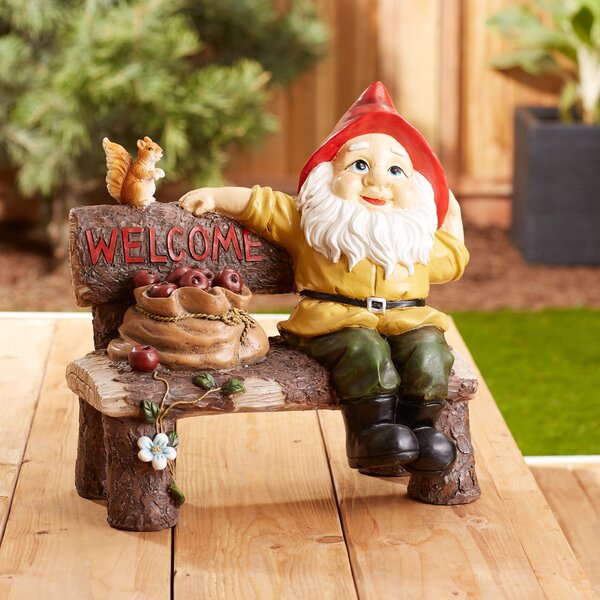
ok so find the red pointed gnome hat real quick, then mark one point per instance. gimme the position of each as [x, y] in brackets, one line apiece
[374, 112]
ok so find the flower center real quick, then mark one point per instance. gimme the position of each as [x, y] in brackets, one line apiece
[156, 450]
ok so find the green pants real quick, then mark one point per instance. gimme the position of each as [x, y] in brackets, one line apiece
[363, 363]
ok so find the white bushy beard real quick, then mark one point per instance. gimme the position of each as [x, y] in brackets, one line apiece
[334, 226]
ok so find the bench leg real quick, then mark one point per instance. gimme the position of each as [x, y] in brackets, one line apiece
[90, 468]
[137, 495]
[459, 485]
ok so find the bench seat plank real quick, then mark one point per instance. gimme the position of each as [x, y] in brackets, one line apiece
[285, 380]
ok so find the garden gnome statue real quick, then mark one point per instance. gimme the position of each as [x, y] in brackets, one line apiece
[372, 226]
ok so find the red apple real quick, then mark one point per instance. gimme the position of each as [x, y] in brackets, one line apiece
[144, 277]
[161, 290]
[143, 358]
[175, 275]
[229, 279]
[209, 275]
[194, 278]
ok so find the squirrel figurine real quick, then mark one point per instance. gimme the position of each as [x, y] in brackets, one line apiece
[132, 182]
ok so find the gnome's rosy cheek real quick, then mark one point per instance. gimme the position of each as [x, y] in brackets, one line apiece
[406, 193]
[347, 185]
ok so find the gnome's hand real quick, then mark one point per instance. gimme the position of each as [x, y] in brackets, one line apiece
[232, 201]
[453, 221]
[198, 201]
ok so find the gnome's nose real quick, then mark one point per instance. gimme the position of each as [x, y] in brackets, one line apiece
[376, 179]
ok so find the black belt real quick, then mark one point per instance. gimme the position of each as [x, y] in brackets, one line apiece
[373, 303]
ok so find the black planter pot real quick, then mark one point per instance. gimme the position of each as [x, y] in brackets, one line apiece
[556, 199]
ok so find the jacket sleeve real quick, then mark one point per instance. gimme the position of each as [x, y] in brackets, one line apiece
[449, 257]
[272, 215]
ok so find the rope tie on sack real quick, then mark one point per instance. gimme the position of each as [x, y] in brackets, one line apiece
[234, 316]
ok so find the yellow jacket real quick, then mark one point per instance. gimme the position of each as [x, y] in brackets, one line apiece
[274, 216]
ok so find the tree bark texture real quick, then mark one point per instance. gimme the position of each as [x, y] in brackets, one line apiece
[459, 485]
[107, 319]
[137, 496]
[108, 244]
[303, 382]
[90, 468]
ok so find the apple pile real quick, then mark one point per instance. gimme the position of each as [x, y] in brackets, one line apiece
[184, 276]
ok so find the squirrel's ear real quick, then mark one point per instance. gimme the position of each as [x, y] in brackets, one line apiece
[147, 139]
[141, 144]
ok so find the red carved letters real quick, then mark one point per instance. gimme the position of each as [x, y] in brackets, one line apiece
[101, 248]
[140, 245]
[154, 257]
[229, 238]
[192, 243]
[129, 244]
[170, 249]
[248, 245]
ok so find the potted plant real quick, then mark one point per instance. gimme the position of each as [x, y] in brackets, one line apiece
[556, 199]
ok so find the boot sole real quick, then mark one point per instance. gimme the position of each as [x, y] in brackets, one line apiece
[388, 460]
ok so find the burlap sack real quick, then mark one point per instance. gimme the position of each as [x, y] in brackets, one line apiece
[221, 339]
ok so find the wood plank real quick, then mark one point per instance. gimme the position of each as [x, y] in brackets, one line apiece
[506, 544]
[24, 347]
[589, 478]
[55, 541]
[574, 496]
[409, 30]
[488, 97]
[450, 89]
[559, 573]
[404, 549]
[260, 519]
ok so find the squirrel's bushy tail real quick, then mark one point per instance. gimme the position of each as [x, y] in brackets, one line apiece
[118, 161]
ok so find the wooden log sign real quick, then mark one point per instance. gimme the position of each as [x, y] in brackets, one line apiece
[107, 244]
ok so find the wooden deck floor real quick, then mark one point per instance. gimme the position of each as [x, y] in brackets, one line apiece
[272, 509]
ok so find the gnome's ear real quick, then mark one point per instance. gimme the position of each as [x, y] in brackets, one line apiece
[141, 143]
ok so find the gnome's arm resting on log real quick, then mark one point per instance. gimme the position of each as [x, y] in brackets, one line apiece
[230, 201]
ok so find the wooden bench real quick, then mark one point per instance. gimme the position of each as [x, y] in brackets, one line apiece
[109, 243]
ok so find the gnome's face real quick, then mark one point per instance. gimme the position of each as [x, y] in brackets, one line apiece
[369, 202]
[376, 172]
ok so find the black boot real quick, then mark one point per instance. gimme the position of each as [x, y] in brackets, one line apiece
[436, 452]
[372, 437]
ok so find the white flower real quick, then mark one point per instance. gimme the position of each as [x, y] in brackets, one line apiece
[158, 451]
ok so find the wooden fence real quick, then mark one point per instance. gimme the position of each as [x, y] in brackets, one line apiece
[433, 55]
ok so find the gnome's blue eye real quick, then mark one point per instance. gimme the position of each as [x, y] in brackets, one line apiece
[396, 171]
[359, 166]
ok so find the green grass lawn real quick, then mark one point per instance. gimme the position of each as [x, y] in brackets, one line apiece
[543, 369]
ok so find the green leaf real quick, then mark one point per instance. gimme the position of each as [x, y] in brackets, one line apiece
[233, 386]
[515, 20]
[568, 97]
[150, 410]
[173, 439]
[532, 61]
[176, 494]
[205, 381]
[529, 32]
[582, 22]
